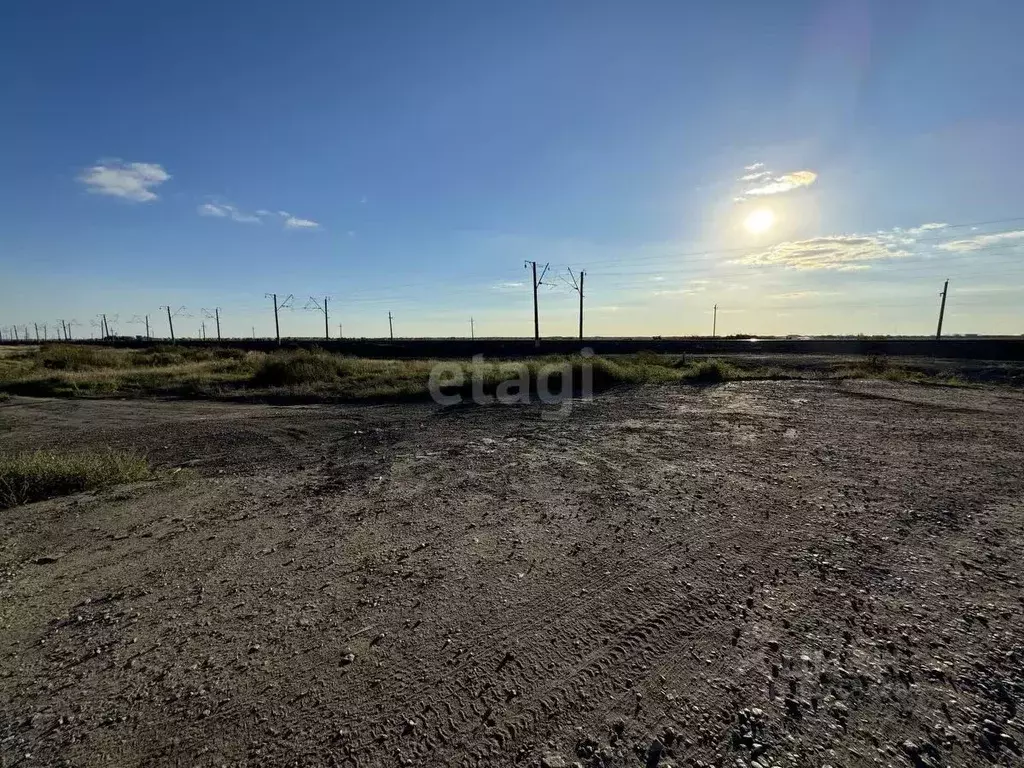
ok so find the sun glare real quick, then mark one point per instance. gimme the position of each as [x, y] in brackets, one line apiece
[759, 221]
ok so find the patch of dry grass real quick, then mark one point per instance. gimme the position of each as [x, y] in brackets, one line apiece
[37, 475]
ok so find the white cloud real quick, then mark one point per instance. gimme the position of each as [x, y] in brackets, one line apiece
[967, 244]
[785, 183]
[229, 211]
[131, 181]
[930, 227]
[840, 252]
[225, 210]
[758, 182]
[510, 286]
[293, 222]
[209, 209]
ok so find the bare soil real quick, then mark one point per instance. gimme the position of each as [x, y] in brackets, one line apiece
[760, 573]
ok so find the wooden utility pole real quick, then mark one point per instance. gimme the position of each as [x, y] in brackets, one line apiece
[203, 326]
[37, 331]
[339, 331]
[536, 312]
[147, 327]
[942, 309]
[472, 329]
[714, 323]
[106, 328]
[391, 327]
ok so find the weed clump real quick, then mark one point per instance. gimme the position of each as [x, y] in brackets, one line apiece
[300, 368]
[712, 372]
[37, 475]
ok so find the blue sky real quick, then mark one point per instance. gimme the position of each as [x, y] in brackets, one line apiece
[409, 156]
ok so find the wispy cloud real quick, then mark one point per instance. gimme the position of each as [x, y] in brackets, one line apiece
[978, 242]
[930, 227]
[691, 287]
[294, 222]
[839, 252]
[991, 289]
[798, 295]
[785, 183]
[228, 211]
[758, 182]
[130, 181]
[224, 210]
[509, 286]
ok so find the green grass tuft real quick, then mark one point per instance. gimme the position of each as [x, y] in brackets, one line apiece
[38, 475]
[712, 372]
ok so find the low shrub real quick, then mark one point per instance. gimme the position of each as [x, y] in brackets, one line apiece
[38, 475]
[712, 372]
[300, 368]
[69, 357]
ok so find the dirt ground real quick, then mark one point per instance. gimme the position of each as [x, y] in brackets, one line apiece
[756, 574]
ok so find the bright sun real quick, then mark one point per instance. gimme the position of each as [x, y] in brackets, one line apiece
[759, 221]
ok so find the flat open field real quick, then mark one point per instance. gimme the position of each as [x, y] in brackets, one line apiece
[789, 573]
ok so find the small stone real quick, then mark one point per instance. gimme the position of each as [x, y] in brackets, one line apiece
[553, 761]
[348, 658]
[47, 559]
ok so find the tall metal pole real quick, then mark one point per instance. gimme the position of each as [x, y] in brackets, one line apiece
[714, 323]
[147, 327]
[582, 273]
[536, 314]
[472, 329]
[942, 309]
[170, 322]
[277, 325]
[216, 314]
[327, 325]
[391, 327]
